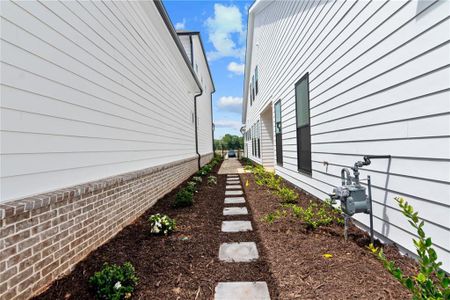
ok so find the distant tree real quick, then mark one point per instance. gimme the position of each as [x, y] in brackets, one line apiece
[229, 141]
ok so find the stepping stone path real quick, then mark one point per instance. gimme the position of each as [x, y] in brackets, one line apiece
[234, 193]
[234, 200]
[242, 290]
[239, 251]
[234, 211]
[230, 187]
[236, 226]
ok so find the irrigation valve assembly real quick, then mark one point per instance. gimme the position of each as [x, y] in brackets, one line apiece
[352, 194]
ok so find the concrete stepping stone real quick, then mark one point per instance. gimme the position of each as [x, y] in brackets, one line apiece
[238, 252]
[233, 187]
[257, 290]
[234, 182]
[233, 177]
[236, 226]
[235, 211]
[234, 193]
[234, 200]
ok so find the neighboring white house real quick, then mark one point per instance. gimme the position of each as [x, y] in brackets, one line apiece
[98, 110]
[193, 46]
[327, 82]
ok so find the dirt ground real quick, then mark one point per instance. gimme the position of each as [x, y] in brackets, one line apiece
[185, 265]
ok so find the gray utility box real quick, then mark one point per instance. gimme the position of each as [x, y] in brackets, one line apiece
[353, 199]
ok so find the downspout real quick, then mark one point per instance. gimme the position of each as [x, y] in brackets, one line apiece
[195, 108]
[196, 129]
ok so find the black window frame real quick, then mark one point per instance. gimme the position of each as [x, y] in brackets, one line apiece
[306, 129]
[256, 80]
[258, 137]
[278, 139]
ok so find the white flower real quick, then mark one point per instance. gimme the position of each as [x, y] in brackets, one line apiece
[117, 285]
[155, 229]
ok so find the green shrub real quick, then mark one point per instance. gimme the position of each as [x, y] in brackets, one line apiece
[273, 216]
[161, 224]
[184, 198]
[430, 282]
[212, 180]
[191, 186]
[114, 282]
[314, 215]
[205, 170]
[197, 179]
[287, 195]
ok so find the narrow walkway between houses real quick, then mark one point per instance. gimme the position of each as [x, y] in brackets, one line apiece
[231, 166]
[237, 252]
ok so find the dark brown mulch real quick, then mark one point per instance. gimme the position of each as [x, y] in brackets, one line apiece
[172, 267]
[295, 255]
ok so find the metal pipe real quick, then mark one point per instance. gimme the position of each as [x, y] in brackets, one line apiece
[369, 190]
[344, 172]
[346, 217]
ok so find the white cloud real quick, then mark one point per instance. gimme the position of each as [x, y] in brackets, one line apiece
[236, 125]
[229, 103]
[236, 68]
[226, 23]
[180, 25]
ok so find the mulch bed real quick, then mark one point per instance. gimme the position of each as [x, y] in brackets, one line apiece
[295, 255]
[172, 267]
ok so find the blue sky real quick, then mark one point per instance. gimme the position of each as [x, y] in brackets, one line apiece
[222, 26]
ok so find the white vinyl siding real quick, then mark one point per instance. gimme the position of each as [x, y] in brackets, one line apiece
[379, 81]
[89, 90]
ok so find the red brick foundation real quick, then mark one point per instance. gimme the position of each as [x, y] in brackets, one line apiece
[44, 237]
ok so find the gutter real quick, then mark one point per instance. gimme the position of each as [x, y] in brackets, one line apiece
[195, 107]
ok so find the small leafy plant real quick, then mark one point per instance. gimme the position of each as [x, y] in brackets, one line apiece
[431, 282]
[114, 282]
[191, 186]
[315, 215]
[287, 195]
[212, 180]
[197, 179]
[273, 216]
[161, 224]
[184, 198]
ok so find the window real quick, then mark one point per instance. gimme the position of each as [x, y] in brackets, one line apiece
[253, 87]
[278, 136]
[256, 80]
[303, 125]
[250, 94]
[258, 137]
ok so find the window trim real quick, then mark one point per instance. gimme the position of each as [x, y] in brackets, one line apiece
[305, 172]
[281, 134]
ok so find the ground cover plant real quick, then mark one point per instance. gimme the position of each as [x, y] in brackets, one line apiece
[161, 224]
[114, 282]
[212, 180]
[430, 282]
[184, 198]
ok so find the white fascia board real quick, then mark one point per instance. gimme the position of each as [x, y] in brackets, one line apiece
[169, 36]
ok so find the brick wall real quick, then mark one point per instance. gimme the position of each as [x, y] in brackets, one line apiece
[206, 158]
[43, 237]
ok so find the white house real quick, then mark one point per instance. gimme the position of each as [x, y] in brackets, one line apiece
[327, 82]
[99, 102]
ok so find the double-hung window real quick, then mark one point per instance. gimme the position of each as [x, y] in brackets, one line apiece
[303, 125]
